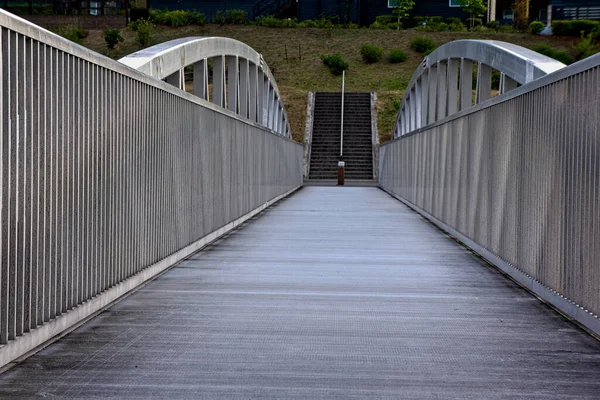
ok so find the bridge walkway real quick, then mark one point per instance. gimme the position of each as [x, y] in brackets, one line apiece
[332, 293]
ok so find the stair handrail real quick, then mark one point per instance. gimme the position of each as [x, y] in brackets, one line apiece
[342, 120]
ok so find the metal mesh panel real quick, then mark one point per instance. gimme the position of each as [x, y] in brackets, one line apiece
[104, 173]
[519, 176]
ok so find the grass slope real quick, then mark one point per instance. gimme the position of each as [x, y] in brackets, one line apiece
[293, 56]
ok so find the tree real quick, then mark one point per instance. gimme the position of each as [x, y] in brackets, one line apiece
[521, 13]
[476, 8]
[402, 9]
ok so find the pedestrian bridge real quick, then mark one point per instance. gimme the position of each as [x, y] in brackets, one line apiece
[158, 243]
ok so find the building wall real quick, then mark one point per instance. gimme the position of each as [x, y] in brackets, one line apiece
[422, 8]
[208, 7]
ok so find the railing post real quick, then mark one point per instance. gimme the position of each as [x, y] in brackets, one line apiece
[466, 84]
[341, 163]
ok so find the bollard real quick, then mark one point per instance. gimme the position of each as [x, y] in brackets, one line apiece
[341, 166]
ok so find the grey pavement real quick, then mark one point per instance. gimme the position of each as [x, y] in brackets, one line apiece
[334, 293]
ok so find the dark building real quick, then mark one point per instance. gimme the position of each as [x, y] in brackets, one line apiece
[362, 12]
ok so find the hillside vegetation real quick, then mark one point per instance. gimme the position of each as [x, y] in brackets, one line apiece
[294, 57]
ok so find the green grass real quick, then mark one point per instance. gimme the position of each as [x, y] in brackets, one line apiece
[304, 72]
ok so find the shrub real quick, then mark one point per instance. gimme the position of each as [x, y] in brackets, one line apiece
[156, 16]
[73, 33]
[145, 32]
[385, 19]
[536, 27]
[112, 37]
[586, 46]
[474, 22]
[377, 25]
[423, 45]
[370, 53]
[431, 24]
[272, 22]
[236, 17]
[493, 25]
[396, 56]
[309, 23]
[482, 29]
[325, 23]
[175, 18]
[549, 51]
[396, 103]
[196, 18]
[574, 27]
[351, 26]
[507, 29]
[220, 18]
[335, 63]
[455, 25]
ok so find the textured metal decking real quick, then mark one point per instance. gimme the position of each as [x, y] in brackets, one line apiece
[335, 292]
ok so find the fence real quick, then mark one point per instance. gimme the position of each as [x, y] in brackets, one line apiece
[517, 178]
[106, 174]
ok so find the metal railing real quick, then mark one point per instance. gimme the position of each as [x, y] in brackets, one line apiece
[241, 80]
[107, 177]
[443, 84]
[342, 117]
[517, 178]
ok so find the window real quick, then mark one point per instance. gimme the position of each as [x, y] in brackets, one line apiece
[391, 3]
[507, 14]
[454, 3]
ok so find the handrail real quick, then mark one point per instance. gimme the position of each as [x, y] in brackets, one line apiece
[434, 93]
[342, 120]
[251, 92]
[510, 177]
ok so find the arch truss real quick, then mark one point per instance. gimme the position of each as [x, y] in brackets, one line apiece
[443, 84]
[226, 72]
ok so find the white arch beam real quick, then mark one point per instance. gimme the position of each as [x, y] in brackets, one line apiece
[237, 73]
[439, 88]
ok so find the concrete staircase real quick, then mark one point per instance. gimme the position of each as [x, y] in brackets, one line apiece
[358, 146]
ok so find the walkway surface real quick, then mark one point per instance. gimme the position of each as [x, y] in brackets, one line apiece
[333, 293]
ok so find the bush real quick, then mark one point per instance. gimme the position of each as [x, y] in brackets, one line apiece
[196, 18]
[396, 56]
[574, 27]
[335, 63]
[309, 23]
[220, 18]
[474, 22]
[377, 25]
[455, 25]
[506, 29]
[370, 53]
[423, 45]
[236, 17]
[493, 25]
[271, 22]
[481, 29]
[73, 33]
[385, 19]
[536, 27]
[145, 32]
[431, 24]
[586, 46]
[112, 37]
[549, 51]
[325, 23]
[177, 18]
